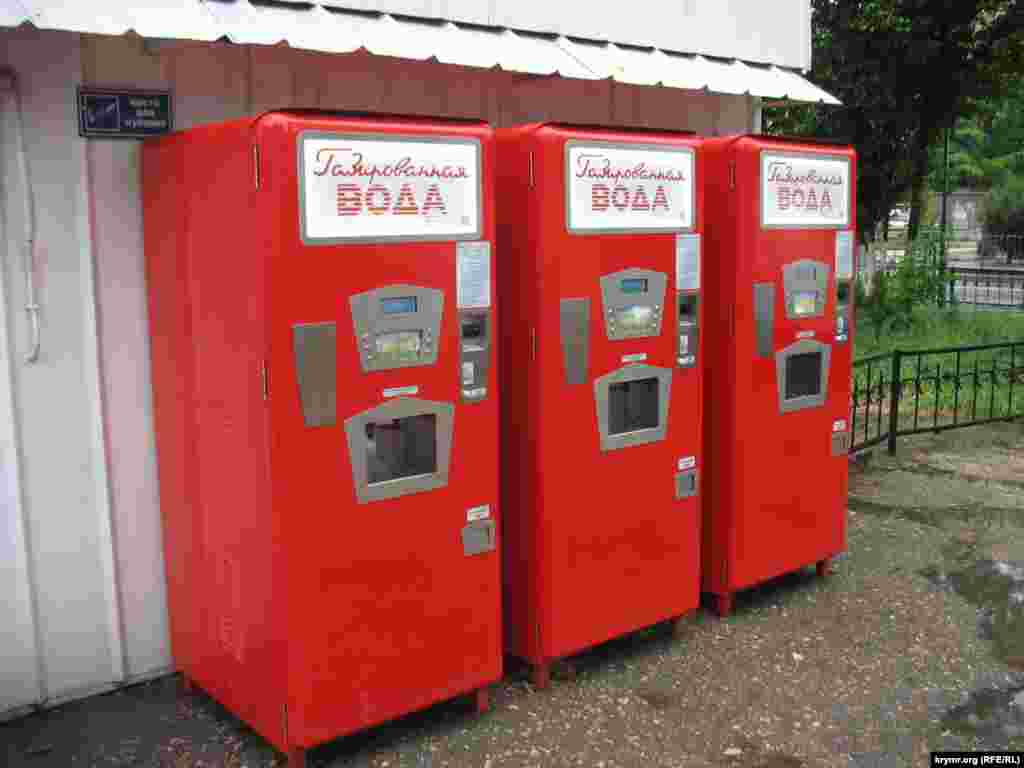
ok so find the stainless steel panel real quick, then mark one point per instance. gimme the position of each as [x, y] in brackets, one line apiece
[614, 299]
[478, 537]
[399, 408]
[574, 328]
[804, 276]
[844, 298]
[688, 328]
[475, 334]
[602, 400]
[803, 347]
[369, 322]
[687, 485]
[316, 366]
[764, 317]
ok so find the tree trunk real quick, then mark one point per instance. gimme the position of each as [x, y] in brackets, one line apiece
[918, 186]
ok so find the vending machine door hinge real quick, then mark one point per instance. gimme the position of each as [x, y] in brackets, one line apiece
[256, 165]
[264, 384]
[531, 170]
[533, 344]
[284, 723]
[732, 174]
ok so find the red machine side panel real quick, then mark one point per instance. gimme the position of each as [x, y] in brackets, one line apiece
[229, 595]
[173, 393]
[519, 277]
[386, 611]
[720, 301]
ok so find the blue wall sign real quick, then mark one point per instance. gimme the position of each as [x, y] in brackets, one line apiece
[107, 113]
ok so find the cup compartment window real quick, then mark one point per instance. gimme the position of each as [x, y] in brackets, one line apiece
[399, 448]
[632, 406]
[803, 375]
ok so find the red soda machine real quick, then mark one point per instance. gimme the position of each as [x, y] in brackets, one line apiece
[600, 239]
[777, 355]
[323, 330]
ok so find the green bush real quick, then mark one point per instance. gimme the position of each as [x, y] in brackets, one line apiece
[1004, 207]
[918, 282]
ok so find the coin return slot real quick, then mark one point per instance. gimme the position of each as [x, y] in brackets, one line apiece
[688, 309]
[474, 332]
[843, 292]
[401, 448]
[803, 375]
[632, 406]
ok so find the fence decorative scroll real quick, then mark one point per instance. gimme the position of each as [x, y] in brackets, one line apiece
[930, 390]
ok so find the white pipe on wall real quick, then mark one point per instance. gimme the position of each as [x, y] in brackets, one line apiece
[9, 87]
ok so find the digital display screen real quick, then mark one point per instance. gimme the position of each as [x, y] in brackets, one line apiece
[805, 303]
[399, 305]
[636, 317]
[400, 346]
[634, 285]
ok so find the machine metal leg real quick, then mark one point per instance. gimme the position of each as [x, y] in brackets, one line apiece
[722, 604]
[540, 675]
[822, 568]
[297, 757]
[482, 700]
[563, 669]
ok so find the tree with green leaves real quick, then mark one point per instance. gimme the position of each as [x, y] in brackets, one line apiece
[904, 69]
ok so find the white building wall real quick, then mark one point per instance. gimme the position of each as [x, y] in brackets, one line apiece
[61, 512]
[82, 548]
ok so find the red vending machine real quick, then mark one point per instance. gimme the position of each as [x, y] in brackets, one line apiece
[781, 217]
[600, 235]
[326, 403]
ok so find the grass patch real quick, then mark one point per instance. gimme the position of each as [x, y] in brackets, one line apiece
[943, 389]
[933, 328]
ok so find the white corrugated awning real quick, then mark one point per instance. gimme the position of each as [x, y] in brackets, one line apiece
[330, 28]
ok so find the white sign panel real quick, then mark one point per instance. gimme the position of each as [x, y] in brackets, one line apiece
[373, 188]
[687, 262]
[473, 275]
[628, 188]
[478, 513]
[844, 255]
[804, 191]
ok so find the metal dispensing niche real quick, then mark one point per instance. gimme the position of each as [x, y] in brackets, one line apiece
[632, 406]
[400, 447]
[801, 373]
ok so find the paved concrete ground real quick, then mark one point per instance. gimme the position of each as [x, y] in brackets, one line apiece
[915, 643]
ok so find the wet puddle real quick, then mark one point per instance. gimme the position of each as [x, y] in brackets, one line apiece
[939, 517]
[996, 589]
[994, 716]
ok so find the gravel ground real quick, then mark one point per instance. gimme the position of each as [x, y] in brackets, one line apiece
[915, 643]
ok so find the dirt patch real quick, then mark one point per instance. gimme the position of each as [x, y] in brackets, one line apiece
[889, 658]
